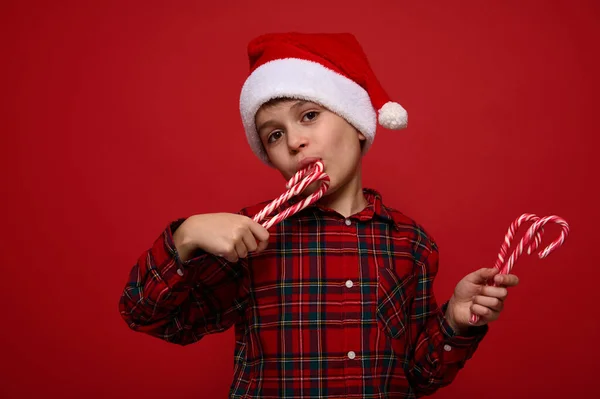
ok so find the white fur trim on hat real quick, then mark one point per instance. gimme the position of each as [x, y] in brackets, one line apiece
[310, 81]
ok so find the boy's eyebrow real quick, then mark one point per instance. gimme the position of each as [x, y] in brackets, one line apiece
[299, 103]
[268, 123]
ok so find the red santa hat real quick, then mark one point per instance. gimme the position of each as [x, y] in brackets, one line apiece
[330, 69]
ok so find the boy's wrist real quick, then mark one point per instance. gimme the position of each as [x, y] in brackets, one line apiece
[183, 244]
[451, 319]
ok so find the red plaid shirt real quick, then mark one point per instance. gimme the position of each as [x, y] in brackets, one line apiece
[334, 308]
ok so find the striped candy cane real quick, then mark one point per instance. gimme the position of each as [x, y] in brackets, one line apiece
[531, 240]
[297, 184]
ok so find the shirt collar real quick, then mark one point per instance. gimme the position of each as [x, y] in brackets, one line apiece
[374, 208]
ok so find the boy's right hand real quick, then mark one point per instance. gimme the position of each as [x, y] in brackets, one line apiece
[229, 235]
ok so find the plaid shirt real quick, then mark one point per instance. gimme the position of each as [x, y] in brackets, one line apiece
[334, 308]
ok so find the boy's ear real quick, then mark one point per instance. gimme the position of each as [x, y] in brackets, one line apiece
[362, 139]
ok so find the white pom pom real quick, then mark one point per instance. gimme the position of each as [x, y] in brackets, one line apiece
[393, 116]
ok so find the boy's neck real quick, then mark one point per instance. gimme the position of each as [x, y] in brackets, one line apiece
[348, 199]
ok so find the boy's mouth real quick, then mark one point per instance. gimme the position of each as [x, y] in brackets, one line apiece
[303, 163]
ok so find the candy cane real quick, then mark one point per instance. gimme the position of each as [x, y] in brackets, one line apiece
[297, 184]
[531, 240]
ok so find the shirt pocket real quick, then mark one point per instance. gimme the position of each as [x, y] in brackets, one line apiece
[394, 299]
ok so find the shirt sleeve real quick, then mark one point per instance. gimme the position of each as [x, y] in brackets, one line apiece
[436, 352]
[180, 302]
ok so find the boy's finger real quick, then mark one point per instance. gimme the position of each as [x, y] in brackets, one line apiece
[489, 302]
[507, 280]
[482, 275]
[259, 231]
[230, 256]
[241, 249]
[484, 312]
[495, 292]
[262, 245]
[249, 241]
[481, 310]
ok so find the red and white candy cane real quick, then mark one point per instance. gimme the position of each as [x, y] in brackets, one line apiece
[297, 184]
[531, 240]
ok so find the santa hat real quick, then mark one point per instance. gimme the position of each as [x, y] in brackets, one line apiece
[329, 69]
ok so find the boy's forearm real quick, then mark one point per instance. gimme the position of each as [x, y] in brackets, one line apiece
[157, 298]
[156, 287]
[440, 349]
[441, 353]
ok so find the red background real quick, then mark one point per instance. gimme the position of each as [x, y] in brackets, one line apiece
[121, 116]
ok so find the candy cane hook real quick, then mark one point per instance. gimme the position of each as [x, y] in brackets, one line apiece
[296, 185]
[531, 241]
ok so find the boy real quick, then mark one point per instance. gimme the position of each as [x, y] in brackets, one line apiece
[337, 300]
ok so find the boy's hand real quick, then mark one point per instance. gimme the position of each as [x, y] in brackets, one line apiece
[472, 295]
[229, 235]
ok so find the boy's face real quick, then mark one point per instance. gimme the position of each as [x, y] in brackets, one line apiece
[295, 131]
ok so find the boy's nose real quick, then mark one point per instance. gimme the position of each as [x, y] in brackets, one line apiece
[296, 141]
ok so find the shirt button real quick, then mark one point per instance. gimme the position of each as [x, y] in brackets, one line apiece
[348, 222]
[180, 272]
[447, 348]
[349, 283]
[351, 355]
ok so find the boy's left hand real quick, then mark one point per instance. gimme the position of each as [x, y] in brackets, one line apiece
[472, 295]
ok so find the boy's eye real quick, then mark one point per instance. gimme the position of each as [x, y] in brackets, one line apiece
[310, 115]
[274, 136]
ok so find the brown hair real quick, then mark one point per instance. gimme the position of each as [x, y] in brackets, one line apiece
[275, 101]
